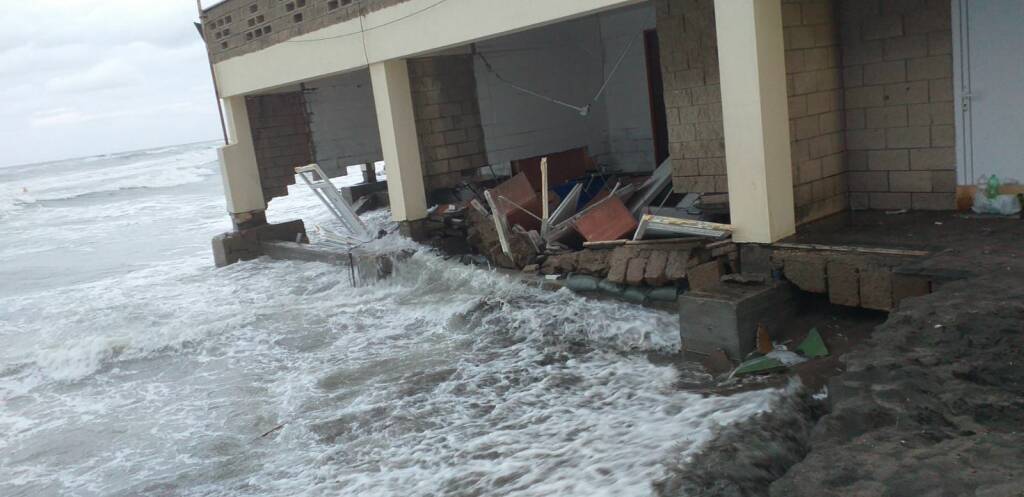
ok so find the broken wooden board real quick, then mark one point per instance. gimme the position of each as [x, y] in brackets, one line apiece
[517, 189]
[859, 250]
[500, 224]
[562, 167]
[611, 220]
[666, 227]
[663, 241]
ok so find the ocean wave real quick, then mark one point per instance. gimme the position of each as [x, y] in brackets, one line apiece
[188, 167]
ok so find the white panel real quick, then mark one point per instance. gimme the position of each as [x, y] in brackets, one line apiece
[343, 121]
[994, 90]
[569, 61]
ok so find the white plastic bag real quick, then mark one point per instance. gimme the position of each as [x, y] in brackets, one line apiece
[1006, 205]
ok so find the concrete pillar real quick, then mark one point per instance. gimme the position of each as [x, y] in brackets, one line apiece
[397, 123]
[755, 109]
[239, 171]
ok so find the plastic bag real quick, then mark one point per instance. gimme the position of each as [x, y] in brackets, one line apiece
[1006, 205]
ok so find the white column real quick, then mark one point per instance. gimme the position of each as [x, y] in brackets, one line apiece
[393, 98]
[240, 174]
[752, 62]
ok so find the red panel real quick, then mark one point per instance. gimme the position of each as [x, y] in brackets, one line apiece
[609, 221]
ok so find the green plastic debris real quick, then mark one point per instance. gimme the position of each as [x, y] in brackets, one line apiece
[582, 283]
[613, 289]
[759, 365]
[813, 345]
[664, 294]
[635, 295]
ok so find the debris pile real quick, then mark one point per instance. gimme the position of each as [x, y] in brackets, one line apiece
[625, 235]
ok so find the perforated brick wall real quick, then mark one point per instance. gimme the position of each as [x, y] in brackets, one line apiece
[282, 139]
[238, 27]
[814, 83]
[447, 119]
[898, 71]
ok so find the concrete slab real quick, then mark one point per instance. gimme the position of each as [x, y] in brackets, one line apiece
[726, 317]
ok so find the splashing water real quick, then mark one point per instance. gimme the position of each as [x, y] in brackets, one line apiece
[132, 367]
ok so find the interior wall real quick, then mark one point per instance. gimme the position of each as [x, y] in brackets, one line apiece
[693, 95]
[815, 89]
[629, 134]
[343, 121]
[898, 74]
[569, 61]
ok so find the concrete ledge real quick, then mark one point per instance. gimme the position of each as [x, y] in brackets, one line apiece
[726, 317]
[366, 267]
[242, 245]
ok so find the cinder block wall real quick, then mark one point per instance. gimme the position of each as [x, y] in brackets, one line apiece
[898, 70]
[693, 96]
[814, 82]
[447, 118]
[282, 139]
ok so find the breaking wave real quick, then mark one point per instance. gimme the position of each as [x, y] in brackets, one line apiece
[170, 377]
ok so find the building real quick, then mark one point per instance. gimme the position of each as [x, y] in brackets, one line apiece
[799, 109]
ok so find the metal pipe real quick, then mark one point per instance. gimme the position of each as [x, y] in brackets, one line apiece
[213, 74]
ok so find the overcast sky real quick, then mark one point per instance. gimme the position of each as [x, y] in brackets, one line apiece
[88, 77]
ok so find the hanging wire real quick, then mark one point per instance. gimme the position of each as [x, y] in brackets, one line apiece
[584, 110]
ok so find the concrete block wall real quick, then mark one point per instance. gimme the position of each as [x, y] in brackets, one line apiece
[898, 74]
[814, 83]
[693, 97]
[282, 139]
[343, 121]
[447, 118]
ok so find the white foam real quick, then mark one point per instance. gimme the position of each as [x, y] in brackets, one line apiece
[444, 380]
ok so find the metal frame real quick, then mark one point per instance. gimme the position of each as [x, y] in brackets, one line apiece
[329, 195]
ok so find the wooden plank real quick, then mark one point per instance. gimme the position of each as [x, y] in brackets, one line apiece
[859, 250]
[544, 190]
[681, 226]
[499, 224]
[660, 241]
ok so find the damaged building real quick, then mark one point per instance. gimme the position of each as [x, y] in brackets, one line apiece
[636, 145]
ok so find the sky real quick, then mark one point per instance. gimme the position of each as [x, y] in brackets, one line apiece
[89, 77]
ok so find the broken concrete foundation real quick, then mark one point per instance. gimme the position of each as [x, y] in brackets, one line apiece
[726, 317]
[246, 244]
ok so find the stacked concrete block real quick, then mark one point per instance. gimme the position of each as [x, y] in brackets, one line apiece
[282, 139]
[854, 280]
[447, 119]
[815, 89]
[898, 74]
[693, 97]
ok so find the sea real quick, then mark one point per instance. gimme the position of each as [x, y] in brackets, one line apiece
[131, 366]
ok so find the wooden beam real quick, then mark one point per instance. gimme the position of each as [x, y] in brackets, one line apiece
[859, 250]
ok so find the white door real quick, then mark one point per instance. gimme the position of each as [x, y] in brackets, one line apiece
[989, 85]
